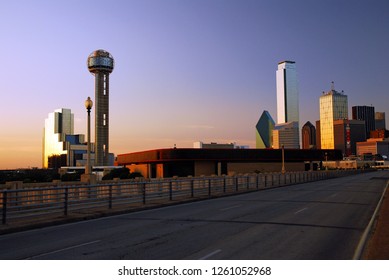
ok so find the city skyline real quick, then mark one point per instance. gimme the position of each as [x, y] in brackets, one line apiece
[186, 71]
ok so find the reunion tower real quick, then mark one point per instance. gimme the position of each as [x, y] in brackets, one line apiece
[100, 64]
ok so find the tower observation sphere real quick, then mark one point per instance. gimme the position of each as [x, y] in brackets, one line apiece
[101, 63]
[100, 60]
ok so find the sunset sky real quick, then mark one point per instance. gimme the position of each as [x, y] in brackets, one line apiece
[186, 70]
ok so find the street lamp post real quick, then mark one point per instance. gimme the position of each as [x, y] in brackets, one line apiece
[326, 154]
[88, 106]
[283, 160]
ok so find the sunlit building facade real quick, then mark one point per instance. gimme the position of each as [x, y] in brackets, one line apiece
[58, 124]
[347, 133]
[333, 106]
[374, 146]
[380, 120]
[287, 135]
[61, 147]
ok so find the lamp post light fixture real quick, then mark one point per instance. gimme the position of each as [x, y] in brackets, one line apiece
[88, 106]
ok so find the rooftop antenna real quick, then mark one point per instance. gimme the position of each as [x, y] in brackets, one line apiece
[332, 86]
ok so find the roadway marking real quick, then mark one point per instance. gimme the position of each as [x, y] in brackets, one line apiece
[211, 254]
[335, 194]
[64, 249]
[301, 210]
[229, 208]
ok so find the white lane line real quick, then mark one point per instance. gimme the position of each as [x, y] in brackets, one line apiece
[229, 208]
[211, 254]
[301, 210]
[335, 194]
[65, 249]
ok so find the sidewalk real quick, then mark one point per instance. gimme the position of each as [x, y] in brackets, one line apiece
[378, 245]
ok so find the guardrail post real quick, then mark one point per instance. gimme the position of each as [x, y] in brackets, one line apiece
[224, 184]
[110, 196]
[5, 207]
[209, 187]
[265, 180]
[144, 192]
[236, 183]
[257, 181]
[66, 202]
[171, 190]
[248, 182]
[192, 188]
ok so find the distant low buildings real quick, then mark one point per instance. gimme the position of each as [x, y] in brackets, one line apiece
[373, 146]
[214, 145]
[379, 133]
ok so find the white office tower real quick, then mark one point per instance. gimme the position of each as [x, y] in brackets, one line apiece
[287, 93]
[58, 124]
[288, 96]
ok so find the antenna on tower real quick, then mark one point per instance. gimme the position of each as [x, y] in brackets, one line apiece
[332, 85]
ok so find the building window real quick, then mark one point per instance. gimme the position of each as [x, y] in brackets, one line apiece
[105, 85]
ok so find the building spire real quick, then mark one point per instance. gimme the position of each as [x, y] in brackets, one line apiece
[332, 86]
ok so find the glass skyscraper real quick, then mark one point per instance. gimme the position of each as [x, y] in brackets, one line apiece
[333, 106]
[287, 92]
[58, 124]
[287, 106]
[367, 114]
[264, 130]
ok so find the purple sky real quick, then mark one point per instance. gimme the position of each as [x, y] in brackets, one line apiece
[185, 70]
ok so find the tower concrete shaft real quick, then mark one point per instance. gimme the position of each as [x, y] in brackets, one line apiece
[102, 118]
[101, 64]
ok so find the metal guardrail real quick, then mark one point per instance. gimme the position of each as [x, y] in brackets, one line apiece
[64, 200]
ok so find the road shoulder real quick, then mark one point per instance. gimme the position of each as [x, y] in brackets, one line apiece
[378, 244]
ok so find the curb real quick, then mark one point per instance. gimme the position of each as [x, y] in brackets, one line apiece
[366, 233]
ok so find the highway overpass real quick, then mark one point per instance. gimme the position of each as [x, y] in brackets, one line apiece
[317, 220]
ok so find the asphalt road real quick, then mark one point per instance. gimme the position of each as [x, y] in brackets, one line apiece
[319, 220]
